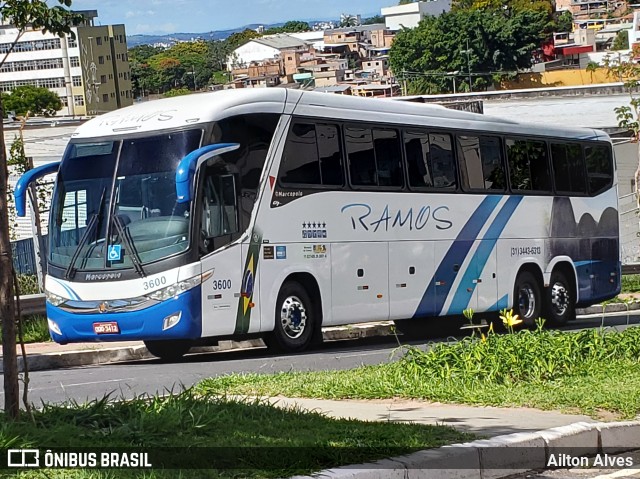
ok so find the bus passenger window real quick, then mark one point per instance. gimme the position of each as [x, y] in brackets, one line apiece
[528, 165]
[481, 163]
[330, 155]
[362, 160]
[388, 157]
[375, 157]
[429, 160]
[312, 156]
[300, 163]
[599, 168]
[568, 168]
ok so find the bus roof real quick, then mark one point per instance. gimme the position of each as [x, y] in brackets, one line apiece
[182, 111]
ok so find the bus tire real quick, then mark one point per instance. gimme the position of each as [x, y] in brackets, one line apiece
[169, 350]
[559, 303]
[295, 319]
[527, 298]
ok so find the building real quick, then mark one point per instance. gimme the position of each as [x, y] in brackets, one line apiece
[263, 49]
[409, 15]
[90, 73]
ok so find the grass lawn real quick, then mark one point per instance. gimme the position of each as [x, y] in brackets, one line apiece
[591, 372]
[255, 438]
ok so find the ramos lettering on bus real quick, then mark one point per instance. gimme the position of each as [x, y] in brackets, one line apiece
[363, 215]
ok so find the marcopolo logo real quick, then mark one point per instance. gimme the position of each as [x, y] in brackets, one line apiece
[102, 276]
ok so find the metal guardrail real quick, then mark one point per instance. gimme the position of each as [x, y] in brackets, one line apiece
[35, 303]
[32, 304]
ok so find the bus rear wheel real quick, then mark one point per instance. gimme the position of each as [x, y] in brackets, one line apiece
[559, 301]
[169, 350]
[527, 298]
[295, 319]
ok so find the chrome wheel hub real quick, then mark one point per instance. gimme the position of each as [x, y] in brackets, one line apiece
[526, 301]
[559, 298]
[293, 316]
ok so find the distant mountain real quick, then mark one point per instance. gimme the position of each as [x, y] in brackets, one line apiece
[171, 38]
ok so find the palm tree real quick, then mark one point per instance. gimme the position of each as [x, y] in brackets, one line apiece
[591, 68]
[347, 20]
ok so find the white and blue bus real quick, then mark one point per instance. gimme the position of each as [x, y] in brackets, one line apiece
[273, 213]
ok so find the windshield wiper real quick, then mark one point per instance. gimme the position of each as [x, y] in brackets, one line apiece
[128, 242]
[93, 221]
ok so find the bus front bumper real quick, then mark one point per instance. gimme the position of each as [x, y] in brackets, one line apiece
[181, 314]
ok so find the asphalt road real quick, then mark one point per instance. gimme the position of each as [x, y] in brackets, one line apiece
[152, 376]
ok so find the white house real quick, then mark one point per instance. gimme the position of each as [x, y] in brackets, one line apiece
[263, 48]
[409, 15]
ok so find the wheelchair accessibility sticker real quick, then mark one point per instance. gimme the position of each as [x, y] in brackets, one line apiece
[114, 253]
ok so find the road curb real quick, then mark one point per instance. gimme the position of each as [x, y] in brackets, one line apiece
[498, 457]
[104, 354]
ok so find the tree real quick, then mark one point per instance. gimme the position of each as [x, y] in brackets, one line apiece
[621, 41]
[628, 71]
[240, 38]
[59, 20]
[373, 20]
[499, 44]
[33, 99]
[292, 26]
[563, 21]
[347, 20]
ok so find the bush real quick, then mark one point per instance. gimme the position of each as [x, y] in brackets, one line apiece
[531, 356]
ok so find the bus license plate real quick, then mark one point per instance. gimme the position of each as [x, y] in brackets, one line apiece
[106, 328]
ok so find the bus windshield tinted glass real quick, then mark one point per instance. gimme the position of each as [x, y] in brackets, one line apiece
[81, 198]
[145, 197]
[141, 192]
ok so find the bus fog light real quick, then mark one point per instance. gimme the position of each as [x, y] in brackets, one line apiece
[53, 326]
[171, 320]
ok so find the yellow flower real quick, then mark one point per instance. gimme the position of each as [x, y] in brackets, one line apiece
[509, 319]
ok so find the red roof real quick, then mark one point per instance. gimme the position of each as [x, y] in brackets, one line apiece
[573, 49]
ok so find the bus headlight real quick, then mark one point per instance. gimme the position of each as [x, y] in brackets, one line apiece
[54, 299]
[175, 289]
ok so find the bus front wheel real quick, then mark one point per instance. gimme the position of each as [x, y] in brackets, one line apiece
[294, 321]
[559, 300]
[528, 298]
[168, 350]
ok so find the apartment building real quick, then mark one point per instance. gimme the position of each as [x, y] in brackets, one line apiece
[90, 73]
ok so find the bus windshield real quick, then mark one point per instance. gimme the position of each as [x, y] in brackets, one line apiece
[115, 203]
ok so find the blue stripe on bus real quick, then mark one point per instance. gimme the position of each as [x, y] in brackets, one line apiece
[72, 294]
[467, 287]
[501, 304]
[430, 304]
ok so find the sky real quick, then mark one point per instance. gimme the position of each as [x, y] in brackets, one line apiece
[198, 16]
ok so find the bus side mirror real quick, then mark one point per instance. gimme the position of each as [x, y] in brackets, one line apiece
[20, 193]
[192, 162]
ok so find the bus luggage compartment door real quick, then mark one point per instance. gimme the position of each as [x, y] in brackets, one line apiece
[359, 284]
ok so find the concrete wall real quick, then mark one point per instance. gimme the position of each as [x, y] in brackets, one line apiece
[558, 78]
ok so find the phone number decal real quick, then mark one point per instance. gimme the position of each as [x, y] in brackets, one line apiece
[526, 250]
